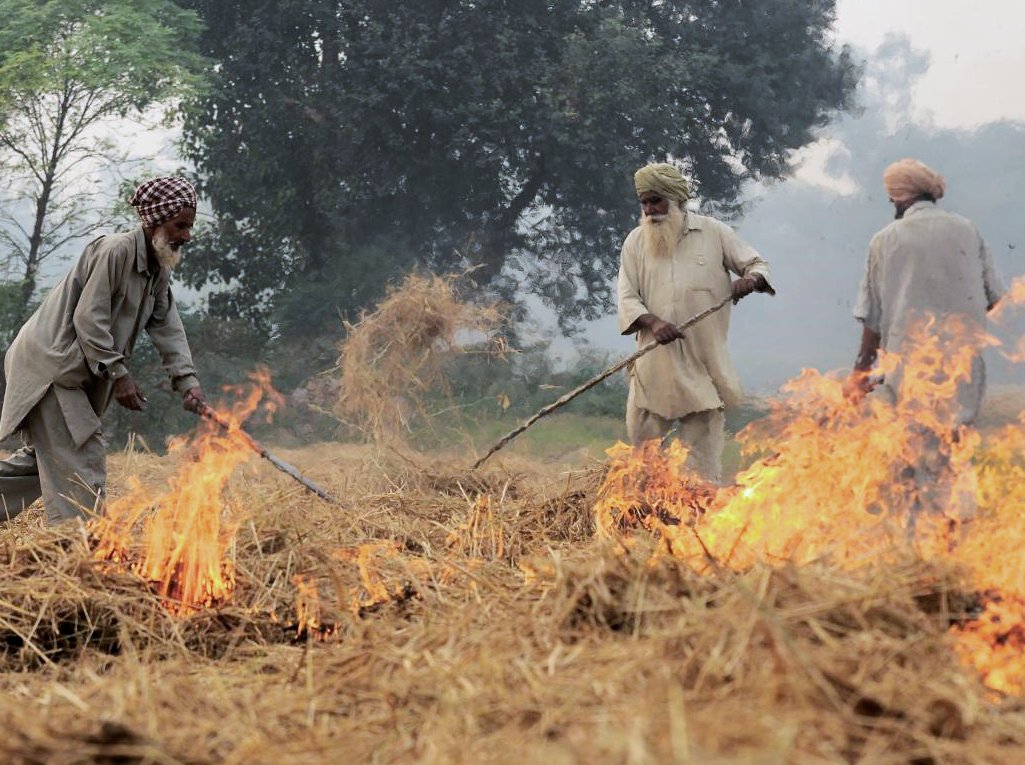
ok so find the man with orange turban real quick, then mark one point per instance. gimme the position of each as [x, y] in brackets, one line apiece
[72, 356]
[928, 263]
[673, 265]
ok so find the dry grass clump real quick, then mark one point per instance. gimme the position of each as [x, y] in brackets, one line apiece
[57, 602]
[444, 617]
[397, 354]
[789, 665]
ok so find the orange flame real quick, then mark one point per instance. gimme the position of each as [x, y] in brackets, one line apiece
[180, 541]
[308, 610]
[853, 482]
[384, 574]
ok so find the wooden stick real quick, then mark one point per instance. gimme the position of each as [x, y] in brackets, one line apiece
[594, 381]
[207, 412]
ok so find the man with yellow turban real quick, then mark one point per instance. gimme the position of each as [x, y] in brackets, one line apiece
[72, 356]
[673, 265]
[926, 263]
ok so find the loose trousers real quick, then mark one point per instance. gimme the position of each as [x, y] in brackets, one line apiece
[70, 479]
[703, 432]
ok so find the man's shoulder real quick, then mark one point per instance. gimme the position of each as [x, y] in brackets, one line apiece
[696, 220]
[954, 218]
[709, 225]
[934, 215]
[886, 231]
[120, 240]
[120, 245]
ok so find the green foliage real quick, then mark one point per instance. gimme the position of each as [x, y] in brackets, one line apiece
[66, 66]
[484, 388]
[448, 133]
[747, 411]
[109, 56]
[105, 57]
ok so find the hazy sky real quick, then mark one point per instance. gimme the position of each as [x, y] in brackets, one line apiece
[976, 49]
[941, 83]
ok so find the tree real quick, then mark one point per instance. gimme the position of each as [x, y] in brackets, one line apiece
[343, 143]
[66, 68]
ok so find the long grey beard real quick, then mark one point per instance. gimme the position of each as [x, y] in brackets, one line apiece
[167, 256]
[660, 234]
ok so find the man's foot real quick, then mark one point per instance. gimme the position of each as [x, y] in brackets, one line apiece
[19, 463]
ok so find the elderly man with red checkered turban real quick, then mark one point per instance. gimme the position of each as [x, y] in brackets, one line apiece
[71, 357]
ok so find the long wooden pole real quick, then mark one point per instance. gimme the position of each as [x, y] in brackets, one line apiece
[207, 412]
[594, 381]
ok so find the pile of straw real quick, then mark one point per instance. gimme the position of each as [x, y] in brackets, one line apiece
[507, 634]
[396, 356]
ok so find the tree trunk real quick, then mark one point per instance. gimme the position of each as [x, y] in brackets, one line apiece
[35, 244]
[493, 243]
[28, 283]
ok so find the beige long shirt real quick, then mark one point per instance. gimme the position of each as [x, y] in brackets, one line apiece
[929, 262]
[81, 337]
[696, 373]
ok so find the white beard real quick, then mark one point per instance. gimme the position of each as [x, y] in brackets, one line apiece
[167, 255]
[660, 233]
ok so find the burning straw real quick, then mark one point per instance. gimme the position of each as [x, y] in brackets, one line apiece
[453, 617]
[397, 356]
[472, 618]
[179, 540]
[854, 484]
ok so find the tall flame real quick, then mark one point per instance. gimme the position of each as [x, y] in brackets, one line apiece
[180, 540]
[854, 482]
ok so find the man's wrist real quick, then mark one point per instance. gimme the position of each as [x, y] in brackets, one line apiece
[116, 372]
[184, 383]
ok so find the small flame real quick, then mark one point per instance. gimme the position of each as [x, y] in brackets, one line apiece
[181, 540]
[308, 610]
[380, 582]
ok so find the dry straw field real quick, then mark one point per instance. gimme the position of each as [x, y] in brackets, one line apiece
[824, 609]
[488, 624]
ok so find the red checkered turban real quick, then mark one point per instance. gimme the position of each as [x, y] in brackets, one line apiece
[161, 199]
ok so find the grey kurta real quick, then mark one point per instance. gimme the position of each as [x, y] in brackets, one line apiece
[694, 374]
[80, 338]
[928, 262]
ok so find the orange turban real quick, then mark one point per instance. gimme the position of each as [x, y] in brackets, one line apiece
[909, 179]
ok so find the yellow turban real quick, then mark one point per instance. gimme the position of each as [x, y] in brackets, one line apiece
[664, 179]
[909, 179]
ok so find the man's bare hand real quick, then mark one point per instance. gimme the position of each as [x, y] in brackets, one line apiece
[665, 332]
[128, 393]
[743, 287]
[858, 385]
[194, 400]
